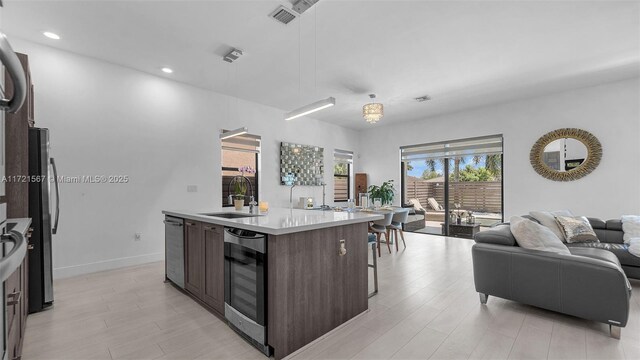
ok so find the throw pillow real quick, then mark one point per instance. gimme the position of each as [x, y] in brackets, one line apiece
[548, 219]
[577, 229]
[531, 235]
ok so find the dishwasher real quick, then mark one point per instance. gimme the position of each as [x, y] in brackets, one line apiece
[174, 250]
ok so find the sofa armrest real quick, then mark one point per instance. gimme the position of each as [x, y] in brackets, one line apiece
[589, 288]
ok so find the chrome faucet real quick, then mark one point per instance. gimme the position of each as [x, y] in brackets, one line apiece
[291, 196]
[252, 198]
[252, 205]
[324, 195]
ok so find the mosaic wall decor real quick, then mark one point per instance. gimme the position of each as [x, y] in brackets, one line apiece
[301, 164]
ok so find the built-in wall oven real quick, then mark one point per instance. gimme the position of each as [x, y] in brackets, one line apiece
[245, 285]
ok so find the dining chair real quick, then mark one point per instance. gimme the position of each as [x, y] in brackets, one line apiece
[399, 218]
[379, 228]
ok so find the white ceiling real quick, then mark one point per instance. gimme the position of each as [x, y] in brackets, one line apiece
[461, 53]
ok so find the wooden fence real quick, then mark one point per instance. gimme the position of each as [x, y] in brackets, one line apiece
[478, 196]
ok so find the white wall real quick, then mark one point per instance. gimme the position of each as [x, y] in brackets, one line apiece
[110, 120]
[609, 111]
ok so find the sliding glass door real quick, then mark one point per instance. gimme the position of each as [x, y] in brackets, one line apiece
[454, 187]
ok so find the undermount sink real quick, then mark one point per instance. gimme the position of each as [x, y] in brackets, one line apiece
[230, 215]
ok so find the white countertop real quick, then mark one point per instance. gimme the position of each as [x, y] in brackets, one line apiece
[279, 221]
[20, 225]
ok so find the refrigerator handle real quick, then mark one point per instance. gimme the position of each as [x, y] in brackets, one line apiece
[55, 175]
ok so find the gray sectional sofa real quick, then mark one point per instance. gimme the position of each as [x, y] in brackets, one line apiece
[591, 283]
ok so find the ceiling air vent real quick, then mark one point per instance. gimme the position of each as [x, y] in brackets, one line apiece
[283, 15]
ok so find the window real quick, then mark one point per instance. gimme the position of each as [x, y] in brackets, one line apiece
[240, 151]
[455, 184]
[343, 161]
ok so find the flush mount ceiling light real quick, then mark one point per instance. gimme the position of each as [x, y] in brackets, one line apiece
[233, 133]
[51, 35]
[167, 70]
[233, 55]
[373, 111]
[311, 108]
[301, 6]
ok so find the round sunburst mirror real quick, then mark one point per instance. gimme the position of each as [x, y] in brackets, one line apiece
[566, 154]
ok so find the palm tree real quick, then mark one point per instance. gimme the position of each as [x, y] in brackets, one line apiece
[492, 162]
[457, 162]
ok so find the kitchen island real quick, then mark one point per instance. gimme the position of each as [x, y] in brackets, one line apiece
[315, 263]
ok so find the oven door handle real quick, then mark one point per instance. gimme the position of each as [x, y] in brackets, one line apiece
[18, 78]
[256, 237]
[254, 243]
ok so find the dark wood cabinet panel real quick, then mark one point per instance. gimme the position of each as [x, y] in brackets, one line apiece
[194, 257]
[312, 289]
[14, 342]
[213, 286]
[11, 288]
[16, 130]
[16, 297]
[204, 263]
[17, 148]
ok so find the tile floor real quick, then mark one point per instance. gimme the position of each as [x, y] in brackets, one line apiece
[427, 309]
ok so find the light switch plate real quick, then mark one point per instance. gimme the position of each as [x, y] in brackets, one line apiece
[192, 188]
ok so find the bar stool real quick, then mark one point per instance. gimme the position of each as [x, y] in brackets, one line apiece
[372, 241]
[399, 218]
[379, 228]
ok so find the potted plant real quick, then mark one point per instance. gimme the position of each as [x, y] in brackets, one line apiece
[240, 183]
[384, 192]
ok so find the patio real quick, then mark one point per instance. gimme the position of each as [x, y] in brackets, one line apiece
[482, 198]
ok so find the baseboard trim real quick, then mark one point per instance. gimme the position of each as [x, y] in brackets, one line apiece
[75, 270]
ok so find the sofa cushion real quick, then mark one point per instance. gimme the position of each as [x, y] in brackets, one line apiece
[600, 254]
[531, 235]
[597, 223]
[614, 225]
[620, 250]
[498, 235]
[548, 219]
[576, 229]
[609, 236]
[595, 253]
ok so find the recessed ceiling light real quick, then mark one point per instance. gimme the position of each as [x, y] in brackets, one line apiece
[51, 35]
[167, 70]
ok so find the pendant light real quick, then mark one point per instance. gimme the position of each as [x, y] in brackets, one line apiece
[372, 112]
[318, 105]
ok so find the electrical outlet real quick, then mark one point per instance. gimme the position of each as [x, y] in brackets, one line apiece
[192, 188]
[138, 237]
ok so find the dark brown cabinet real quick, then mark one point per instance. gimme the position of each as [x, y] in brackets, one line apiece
[204, 263]
[17, 148]
[213, 266]
[311, 287]
[361, 186]
[194, 259]
[16, 287]
[17, 308]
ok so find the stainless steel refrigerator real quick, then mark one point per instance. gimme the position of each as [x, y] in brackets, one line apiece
[42, 203]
